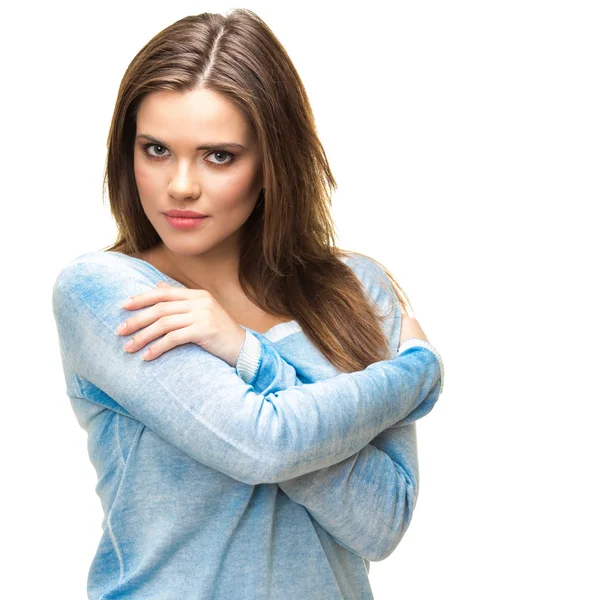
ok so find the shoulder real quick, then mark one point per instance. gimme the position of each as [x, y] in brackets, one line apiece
[108, 264]
[372, 274]
[378, 285]
[364, 265]
[95, 277]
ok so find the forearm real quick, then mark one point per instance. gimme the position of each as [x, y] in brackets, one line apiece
[260, 365]
[366, 501]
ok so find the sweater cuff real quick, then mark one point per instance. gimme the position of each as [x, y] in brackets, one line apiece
[411, 342]
[249, 358]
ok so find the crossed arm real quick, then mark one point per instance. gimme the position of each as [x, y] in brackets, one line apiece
[199, 404]
[366, 501]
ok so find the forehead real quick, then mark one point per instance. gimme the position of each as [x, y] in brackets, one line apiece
[168, 114]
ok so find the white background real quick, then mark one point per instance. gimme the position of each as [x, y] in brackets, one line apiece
[464, 137]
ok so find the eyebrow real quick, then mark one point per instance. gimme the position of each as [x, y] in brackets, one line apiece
[211, 146]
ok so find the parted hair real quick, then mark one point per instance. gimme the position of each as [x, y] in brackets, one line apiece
[289, 264]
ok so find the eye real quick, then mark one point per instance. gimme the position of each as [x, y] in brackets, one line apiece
[224, 158]
[158, 156]
[222, 153]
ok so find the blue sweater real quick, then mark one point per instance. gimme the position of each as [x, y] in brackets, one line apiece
[279, 478]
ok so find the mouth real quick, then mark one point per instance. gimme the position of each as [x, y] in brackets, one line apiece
[185, 214]
[184, 222]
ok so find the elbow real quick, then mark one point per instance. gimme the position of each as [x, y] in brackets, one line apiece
[273, 472]
[391, 536]
[264, 471]
[255, 476]
[277, 466]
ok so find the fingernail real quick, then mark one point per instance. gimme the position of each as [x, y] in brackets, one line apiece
[128, 301]
[121, 327]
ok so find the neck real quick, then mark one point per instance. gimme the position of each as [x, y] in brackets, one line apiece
[215, 271]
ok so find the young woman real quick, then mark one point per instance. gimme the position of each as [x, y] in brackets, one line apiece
[255, 438]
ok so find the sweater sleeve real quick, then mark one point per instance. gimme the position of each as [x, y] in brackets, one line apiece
[199, 404]
[366, 501]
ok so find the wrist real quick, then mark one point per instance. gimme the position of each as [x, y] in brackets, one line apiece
[248, 358]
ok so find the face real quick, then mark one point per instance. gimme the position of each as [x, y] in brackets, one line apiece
[195, 151]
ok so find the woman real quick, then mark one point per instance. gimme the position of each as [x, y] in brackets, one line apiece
[265, 446]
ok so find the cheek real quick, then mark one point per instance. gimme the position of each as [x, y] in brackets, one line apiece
[237, 188]
[145, 178]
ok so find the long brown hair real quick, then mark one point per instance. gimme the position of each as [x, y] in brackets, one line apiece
[289, 262]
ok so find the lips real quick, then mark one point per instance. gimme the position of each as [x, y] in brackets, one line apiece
[189, 214]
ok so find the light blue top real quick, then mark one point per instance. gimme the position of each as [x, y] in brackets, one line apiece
[280, 478]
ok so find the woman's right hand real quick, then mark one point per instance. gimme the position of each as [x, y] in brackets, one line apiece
[182, 316]
[411, 329]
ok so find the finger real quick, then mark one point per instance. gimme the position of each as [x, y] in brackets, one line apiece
[168, 292]
[154, 296]
[163, 326]
[168, 342]
[163, 284]
[152, 314]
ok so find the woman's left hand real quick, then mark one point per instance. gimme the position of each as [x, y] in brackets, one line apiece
[182, 316]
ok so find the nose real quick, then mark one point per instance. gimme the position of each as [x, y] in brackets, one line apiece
[184, 183]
